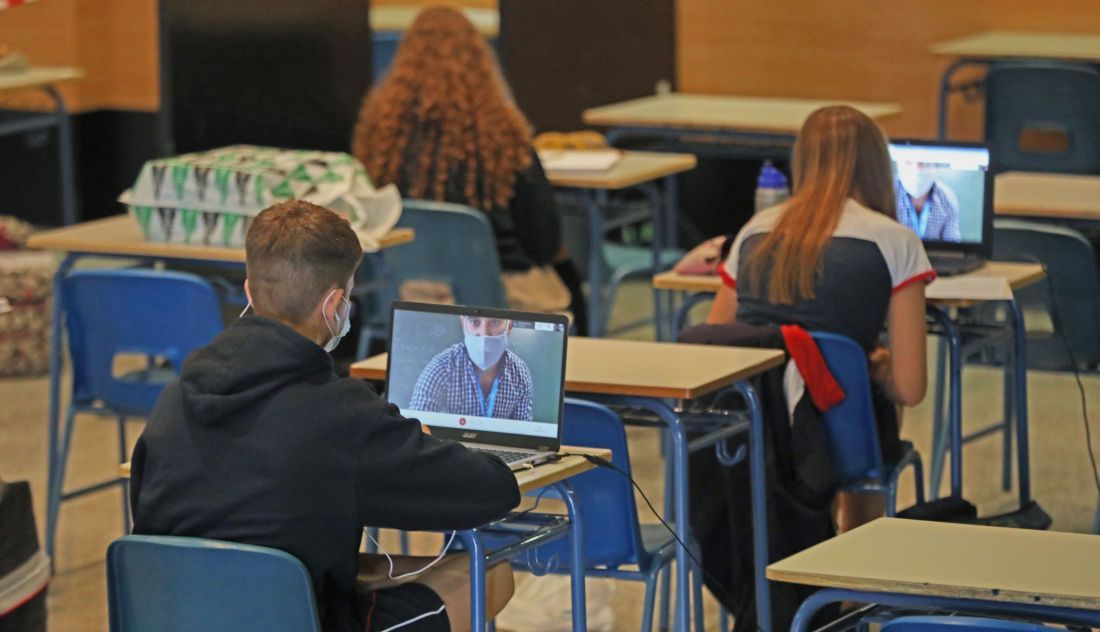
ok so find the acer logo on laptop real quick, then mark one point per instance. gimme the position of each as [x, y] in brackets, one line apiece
[469, 435]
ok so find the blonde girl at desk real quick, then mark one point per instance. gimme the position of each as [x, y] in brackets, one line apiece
[833, 258]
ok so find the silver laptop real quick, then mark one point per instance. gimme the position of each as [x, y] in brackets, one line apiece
[490, 379]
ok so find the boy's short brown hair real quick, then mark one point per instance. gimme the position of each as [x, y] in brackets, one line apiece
[294, 253]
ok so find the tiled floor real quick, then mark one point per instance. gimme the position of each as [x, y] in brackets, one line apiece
[1060, 472]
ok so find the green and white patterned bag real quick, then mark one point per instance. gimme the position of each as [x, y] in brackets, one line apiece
[209, 198]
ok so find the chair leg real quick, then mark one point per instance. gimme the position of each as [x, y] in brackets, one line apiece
[404, 542]
[53, 500]
[939, 420]
[918, 478]
[666, 594]
[650, 594]
[124, 484]
[697, 592]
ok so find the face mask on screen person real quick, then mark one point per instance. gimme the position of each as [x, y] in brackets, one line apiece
[486, 351]
[917, 182]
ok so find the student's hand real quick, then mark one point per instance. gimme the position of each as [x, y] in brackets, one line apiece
[426, 430]
[880, 365]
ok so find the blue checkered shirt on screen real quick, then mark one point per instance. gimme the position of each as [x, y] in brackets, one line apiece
[942, 208]
[450, 384]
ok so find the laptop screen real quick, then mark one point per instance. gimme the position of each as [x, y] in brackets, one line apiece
[943, 193]
[477, 374]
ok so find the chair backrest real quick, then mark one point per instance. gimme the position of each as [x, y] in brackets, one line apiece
[454, 245]
[173, 584]
[606, 498]
[932, 623]
[851, 427]
[1052, 108]
[1072, 280]
[143, 312]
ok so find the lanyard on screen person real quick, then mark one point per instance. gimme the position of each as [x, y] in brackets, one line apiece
[487, 406]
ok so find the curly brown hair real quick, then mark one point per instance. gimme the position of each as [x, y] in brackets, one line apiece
[444, 110]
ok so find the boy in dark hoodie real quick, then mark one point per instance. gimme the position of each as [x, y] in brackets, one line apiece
[260, 442]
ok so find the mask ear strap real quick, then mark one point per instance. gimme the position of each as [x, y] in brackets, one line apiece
[324, 303]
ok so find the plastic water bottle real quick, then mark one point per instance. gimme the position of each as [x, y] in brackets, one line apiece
[771, 187]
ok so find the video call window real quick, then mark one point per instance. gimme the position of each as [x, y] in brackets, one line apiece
[478, 373]
[940, 191]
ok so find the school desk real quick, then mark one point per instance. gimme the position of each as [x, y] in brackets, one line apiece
[647, 376]
[981, 49]
[970, 568]
[45, 79]
[1050, 197]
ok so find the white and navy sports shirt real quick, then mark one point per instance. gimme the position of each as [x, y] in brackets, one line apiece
[870, 257]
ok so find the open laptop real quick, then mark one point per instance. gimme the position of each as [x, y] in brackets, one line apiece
[944, 193]
[491, 379]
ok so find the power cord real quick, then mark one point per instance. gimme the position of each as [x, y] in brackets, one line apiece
[389, 559]
[1056, 318]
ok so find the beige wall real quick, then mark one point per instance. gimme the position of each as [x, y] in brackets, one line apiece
[114, 41]
[852, 49]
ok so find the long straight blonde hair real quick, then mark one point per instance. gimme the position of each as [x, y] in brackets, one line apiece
[840, 153]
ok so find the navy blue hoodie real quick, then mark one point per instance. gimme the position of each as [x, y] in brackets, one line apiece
[260, 442]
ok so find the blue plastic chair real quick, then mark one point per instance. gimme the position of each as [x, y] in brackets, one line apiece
[931, 623]
[454, 245]
[162, 316]
[606, 499]
[1052, 98]
[852, 431]
[173, 584]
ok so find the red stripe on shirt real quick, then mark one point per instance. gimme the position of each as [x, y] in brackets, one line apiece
[927, 277]
[727, 279]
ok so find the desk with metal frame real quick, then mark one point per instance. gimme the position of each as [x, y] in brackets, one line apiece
[742, 120]
[969, 568]
[648, 376]
[555, 476]
[1018, 275]
[1067, 199]
[119, 237]
[634, 170]
[45, 78]
[982, 49]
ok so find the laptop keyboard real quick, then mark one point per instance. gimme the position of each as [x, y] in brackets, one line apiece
[506, 456]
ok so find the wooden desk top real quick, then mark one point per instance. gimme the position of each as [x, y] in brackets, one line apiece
[120, 235]
[729, 113]
[954, 560]
[37, 77]
[1018, 45]
[640, 369]
[1018, 275]
[400, 18]
[635, 167]
[541, 476]
[1048, 196]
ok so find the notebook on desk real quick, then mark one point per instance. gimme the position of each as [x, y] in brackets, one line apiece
[944, 193]
[491, 379]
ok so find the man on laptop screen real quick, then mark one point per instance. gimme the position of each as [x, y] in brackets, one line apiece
[477, 376]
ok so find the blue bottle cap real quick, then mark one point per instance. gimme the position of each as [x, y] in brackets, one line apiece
[771, 178]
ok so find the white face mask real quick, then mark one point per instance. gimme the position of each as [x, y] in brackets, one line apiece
[486, 351]
[916, 182]
[344, 328]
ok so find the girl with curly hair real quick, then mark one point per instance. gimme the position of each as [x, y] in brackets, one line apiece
[442, 125]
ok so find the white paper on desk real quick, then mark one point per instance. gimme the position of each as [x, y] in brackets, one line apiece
[579, 160]
[969, 287]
